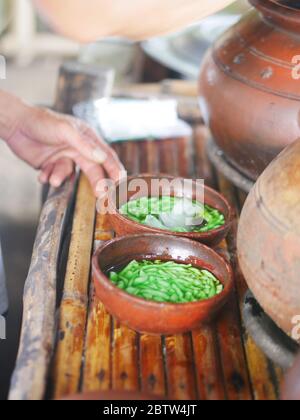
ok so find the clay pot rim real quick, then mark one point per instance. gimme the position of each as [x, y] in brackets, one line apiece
[272, 10]
[188, 235]
[102, 279]
[274, 5]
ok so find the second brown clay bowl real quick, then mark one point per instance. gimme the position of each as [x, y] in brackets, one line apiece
[122, 193]
[149, 316]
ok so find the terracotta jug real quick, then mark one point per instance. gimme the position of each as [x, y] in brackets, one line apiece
[269, 240]
[250, 86]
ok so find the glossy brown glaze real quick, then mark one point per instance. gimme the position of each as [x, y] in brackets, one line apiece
[152, 317]
[291, 386]
[124, 226]
[248, 95]
[269, 240]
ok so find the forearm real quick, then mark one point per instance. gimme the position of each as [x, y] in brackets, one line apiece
[11, 111]
[90, 20]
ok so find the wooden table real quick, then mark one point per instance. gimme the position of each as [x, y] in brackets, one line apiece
[91, 350]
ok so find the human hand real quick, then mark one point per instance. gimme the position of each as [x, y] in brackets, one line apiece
[52, 143]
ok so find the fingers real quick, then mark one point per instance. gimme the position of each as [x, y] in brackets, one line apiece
[72, 132]
[82, 145]
[45, 173]
[112, 164]
[75, 134]
[56, 173]
[93, 171]
[63, 169]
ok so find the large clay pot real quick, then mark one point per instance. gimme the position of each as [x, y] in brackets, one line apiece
[269, 240]
[248, 91]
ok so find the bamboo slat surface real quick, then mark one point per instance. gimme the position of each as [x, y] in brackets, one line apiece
[77, 82]
[38, 326]
[73, 309]
[217, 362]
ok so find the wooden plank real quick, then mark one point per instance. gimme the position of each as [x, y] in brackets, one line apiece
[125, 372]
[169, 86]
[168, 151]
[38, 326]
[203, 168]
[129, 155]
[97, 361]
[232, 355]
[149, 156]
[264, 376]
[153, 157]
[234, 364]
[73, 310]
[109, 352]
[80, 82]
[209, 373]
[125, 344]
[143, 158]
[152, 370]
[180, 367]
[103, 230]
[185, 157]
[152, 365]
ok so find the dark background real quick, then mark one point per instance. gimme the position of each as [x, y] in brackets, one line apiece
[17, 242]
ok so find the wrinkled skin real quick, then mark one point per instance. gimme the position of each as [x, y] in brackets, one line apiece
[52, 143]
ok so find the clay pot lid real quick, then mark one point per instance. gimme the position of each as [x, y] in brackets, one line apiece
[279, 186]
[283, 13]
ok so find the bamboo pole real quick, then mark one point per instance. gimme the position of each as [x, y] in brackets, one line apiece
[97, 361]
[73, 310]
[38, 327]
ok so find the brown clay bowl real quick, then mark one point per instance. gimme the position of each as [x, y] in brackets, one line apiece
[153, 317]
[122, 225]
